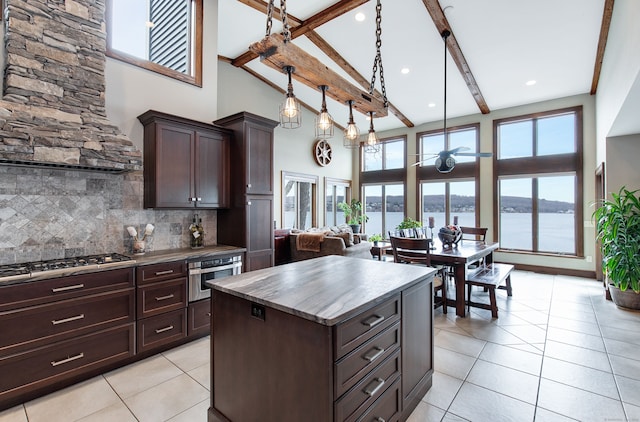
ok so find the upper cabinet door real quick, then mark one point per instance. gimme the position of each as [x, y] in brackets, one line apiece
[174, 179]
[259, 162]
[211, 170]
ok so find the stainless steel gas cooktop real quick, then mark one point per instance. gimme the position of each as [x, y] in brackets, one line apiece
[25, 270]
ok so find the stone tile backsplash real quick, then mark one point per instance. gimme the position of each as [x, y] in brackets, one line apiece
[56, 213]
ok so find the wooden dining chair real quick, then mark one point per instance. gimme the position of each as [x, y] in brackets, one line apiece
[476, 234]
[416, 251]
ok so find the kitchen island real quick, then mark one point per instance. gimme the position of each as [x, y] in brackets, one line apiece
[327, 339]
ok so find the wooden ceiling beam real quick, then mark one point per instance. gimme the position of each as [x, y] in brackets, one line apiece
[274, 86]
[602, 43]
[321, 43]
[320, 18]
[441, 22]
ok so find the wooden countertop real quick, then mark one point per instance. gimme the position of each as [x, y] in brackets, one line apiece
[326, 290]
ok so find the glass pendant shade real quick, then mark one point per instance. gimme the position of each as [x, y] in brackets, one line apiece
[351, 135]
[371, 142]
[324, 121]
[290, 113]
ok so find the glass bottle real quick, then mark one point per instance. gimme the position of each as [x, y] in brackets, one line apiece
[194, 233]
[200, 231]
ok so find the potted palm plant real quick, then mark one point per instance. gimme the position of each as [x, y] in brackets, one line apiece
[354, 214]
[618, 230]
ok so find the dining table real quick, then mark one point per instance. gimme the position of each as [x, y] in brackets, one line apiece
[457, 257]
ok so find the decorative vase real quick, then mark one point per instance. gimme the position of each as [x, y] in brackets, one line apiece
[139, 247]
[627, 299]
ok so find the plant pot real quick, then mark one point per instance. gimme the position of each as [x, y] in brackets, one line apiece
[627, 299]
[355, 228]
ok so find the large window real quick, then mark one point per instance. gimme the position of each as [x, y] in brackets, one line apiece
[384, 205]
[447, 195]
[164, 36]
[383, 179]
[539, 182]
[336, 191]
[299, 200]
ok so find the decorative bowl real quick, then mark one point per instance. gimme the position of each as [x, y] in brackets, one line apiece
[449, 236]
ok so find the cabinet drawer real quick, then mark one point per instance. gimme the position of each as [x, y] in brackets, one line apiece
[372, 386]
[161, 329]
[43, 324]
[157, 272]
[45, 291]
[25, 372]
[362, 327]
[199, 317]
[164, 296]
[354, 366]
[386, 408]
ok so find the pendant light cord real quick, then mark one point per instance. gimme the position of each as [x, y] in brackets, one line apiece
[378, 59]
[445, 35]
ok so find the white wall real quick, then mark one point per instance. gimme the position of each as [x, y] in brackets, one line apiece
[622, 154]
[620, 71]
[293, 148]
[132, 91]
[486, 173]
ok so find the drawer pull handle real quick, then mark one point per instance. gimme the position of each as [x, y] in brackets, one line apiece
[373, 387]
[373, 354]
[62, 321]
[164, 297]
[198, 199]
[164, 272]
[373, 320]
[67, 288]
[380, 419]
[209, 314]
[162, 330]
[67, 360]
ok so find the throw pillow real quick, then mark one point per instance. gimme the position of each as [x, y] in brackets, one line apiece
[345, 228]
[345, 236]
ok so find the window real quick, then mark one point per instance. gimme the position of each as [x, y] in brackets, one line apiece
[445, 195]
[336, 191]
[384, 205]
[390, 156]
[539, 170]
[299, 200]
[384, 180]
[164, 36]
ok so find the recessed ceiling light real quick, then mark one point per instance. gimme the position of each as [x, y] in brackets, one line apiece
[405, 70]
[360, 16]
[530, 83]
[432, 105]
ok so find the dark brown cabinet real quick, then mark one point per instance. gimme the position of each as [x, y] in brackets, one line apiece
[249, 221]
[186, 163]
[162, 304]
[57, 330]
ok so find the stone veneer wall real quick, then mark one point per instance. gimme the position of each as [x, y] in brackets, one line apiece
[53, 108]
[54, 213]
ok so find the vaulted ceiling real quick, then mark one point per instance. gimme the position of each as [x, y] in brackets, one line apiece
[496, 47]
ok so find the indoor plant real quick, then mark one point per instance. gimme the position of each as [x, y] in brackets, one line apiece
[408, 223]
[618, 230]
[354, 214]
[375, 238]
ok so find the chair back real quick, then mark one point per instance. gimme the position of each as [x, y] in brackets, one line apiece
[476, 234]
[421, 232]
[411, 251]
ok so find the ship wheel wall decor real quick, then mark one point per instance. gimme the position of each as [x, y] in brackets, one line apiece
[322, 152]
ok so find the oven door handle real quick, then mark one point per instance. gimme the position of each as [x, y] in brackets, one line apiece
[197, 271]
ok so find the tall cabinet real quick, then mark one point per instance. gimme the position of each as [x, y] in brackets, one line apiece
[249, 221]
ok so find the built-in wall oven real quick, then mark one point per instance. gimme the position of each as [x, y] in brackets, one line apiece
[211, 269]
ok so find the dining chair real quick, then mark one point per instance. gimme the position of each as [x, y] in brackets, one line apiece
[416, 251]
[476, 234]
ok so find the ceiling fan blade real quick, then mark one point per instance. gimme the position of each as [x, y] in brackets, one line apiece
[423, 161]
[455, 150]
[475, 154]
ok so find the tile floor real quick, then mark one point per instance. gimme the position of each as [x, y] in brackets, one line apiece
[558, 352]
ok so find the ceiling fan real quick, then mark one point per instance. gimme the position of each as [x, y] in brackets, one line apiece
[445, 161]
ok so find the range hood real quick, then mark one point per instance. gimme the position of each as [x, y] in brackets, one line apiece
[52, 112]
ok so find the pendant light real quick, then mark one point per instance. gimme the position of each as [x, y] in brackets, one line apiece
[290, 113]
[445, 35]
[324, 121]
[351, 135]
[371, 143]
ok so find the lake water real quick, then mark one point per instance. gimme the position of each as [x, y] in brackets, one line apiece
[556, 230]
